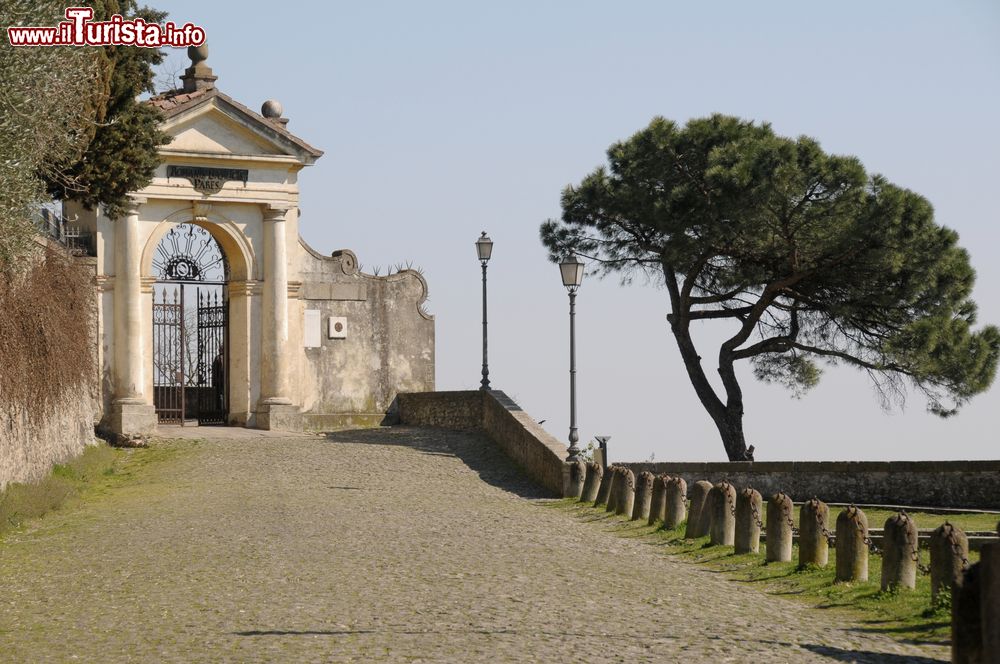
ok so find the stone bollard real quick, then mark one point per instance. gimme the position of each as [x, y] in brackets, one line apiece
[592, 483]
[643, 496]
[814, 548]
[966, 623]
[722, 507]
[658, 503]
[605, 489]
[852, 545]
[626, 492]
[697, 526]
[574, 474]
[949, 557]
[778, 544]
[675, 498]
[899, 552]
[748, 522]
[989, 600]
[613, 482]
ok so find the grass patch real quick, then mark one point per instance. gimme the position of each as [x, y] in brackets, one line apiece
[926, 520]
[905, 615]
[94, 472]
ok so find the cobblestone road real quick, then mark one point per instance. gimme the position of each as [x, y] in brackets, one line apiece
[401, 544]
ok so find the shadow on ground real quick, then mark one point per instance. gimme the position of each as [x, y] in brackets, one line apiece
[474, 449]
[869, 657]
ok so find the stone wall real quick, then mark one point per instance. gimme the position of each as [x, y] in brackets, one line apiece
[966, 484]
[495, 414]
[386, 345]
[31, 445]
[36, 433]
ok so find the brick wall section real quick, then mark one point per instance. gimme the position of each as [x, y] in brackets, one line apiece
[495, 414]
[964, 484]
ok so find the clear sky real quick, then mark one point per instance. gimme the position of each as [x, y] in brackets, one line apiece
[442, 119]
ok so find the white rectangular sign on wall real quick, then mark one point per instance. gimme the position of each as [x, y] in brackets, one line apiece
[312, 328]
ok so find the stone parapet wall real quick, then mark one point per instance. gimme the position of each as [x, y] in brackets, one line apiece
[961, 484]
[495, 414]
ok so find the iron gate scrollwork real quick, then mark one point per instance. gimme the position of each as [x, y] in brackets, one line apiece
[212, 369]
[168, 354]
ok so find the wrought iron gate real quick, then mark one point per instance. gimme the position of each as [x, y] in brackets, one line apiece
[212, 368]
[168, 354]
[190, 349]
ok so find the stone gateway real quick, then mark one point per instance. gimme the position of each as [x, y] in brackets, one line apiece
[298, 339]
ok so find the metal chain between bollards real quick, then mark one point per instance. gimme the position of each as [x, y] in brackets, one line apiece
[787, 513]
[755, 513]
[957, 548]
[830, 536]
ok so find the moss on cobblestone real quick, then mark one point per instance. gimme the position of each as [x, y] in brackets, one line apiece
[906, 615]
[93, 473]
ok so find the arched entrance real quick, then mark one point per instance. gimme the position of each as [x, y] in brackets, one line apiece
[190, 328]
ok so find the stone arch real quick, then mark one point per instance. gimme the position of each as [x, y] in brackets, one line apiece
[243, 265]
[244, 273]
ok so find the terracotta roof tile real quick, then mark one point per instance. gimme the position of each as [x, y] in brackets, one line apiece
[168, 101]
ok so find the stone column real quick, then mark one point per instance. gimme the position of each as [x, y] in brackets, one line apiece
[658, 503]
[625, 488]
[643, 496]
[899, 552]
[966, 623]
[778, 544]
[814, 548]
[604, 492]
[276, 410]
[675, 510]
[722, 508]
[574, 475]
[852, 545]
[748, 521]
[697, 524]
[131, 414]
[592, 482]
[989, 600]
[949, 549]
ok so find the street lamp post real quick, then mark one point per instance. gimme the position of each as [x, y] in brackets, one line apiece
[484, 248]
[571, 269]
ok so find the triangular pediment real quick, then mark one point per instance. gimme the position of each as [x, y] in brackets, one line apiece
[211, 130]
[214, 124]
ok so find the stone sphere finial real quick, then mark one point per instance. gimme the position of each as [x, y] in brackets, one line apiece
[198, 53]
[271, 109]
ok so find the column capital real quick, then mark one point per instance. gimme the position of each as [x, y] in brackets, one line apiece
[134, 203]
[276, 211]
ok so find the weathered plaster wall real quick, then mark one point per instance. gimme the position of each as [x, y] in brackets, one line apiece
[388, 345]
[30, 444]
[30, 447]
[972, 484]
[493, 412]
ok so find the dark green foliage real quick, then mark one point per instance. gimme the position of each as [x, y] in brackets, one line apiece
[807, 255]
[122, 155]
[48, 97]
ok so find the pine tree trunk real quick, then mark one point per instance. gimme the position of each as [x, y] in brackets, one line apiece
[728, 417]
[731, 429]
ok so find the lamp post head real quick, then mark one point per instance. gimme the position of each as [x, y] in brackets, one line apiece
[484, 247]
[571, 269]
